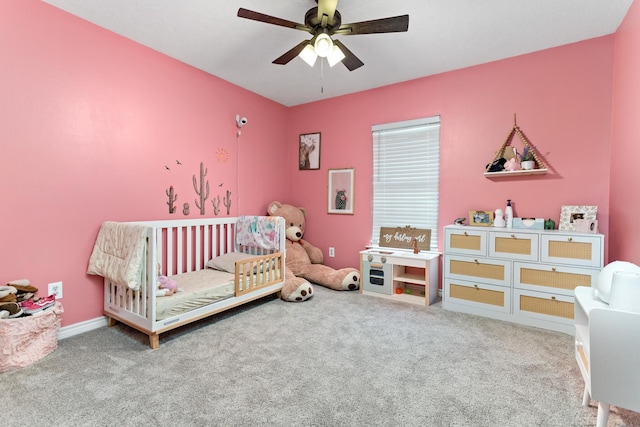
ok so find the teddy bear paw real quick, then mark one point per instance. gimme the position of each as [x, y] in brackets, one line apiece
[301, 293]
[351, 281]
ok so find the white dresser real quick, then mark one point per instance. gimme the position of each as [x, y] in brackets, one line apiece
[519, 275]
[608, 354]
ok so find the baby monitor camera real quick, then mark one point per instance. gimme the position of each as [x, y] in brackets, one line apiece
[241, 121]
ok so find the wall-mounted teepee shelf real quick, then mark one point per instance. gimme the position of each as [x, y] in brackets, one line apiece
[540, 166]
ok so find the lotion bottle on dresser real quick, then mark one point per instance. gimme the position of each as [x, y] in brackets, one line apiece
[508, 214]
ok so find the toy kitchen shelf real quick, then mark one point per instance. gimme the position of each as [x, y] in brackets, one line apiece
[400, 274]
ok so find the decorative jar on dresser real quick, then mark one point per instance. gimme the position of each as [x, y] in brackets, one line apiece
[519, 275]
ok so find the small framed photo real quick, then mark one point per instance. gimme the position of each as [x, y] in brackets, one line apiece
[309, 151]
[569, 215]
[481, 218]
[340, 191]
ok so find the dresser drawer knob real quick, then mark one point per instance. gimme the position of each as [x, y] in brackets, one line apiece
[553, 297]
[465, 233]
[475, 285]
[369, 257]
[553, 269]
[476, 261]
[570, 239]
[513, 236]
[383, 259]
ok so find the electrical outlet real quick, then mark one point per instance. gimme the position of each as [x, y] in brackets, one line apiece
[55, 288]
[332, 252]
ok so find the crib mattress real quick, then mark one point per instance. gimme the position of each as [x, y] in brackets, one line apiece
[199, 288]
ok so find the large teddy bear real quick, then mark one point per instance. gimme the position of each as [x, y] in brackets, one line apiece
[304, 261]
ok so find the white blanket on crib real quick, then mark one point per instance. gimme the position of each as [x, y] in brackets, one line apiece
[119, 253]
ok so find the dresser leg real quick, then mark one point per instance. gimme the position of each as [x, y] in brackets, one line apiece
[586, 397]
[603, 414]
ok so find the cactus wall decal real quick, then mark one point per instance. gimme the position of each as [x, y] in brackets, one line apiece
[172, 199]
[216, 205]
[227, 201]
[185, 209]
[202, 189]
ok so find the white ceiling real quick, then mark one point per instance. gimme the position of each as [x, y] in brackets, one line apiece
[443, 35]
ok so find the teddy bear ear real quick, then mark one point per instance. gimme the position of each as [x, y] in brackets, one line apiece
[273, 207]
[304, 212]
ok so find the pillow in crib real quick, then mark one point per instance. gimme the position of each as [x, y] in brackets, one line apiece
[227, 262]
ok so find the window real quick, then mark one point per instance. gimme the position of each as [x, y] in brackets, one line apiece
[406, 168]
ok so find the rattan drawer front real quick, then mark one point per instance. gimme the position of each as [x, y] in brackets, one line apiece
[477, 295]
[513, 246]
[554, 279]
[460, 241]
[546, 306]
[583, 357]
[520, 246]
[538, 305]
[546, 278]
[574, 250]
[466, 241]
[496, 272]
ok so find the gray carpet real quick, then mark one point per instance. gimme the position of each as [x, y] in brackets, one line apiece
[339, 359]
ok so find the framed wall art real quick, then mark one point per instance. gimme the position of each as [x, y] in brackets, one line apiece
[481, 218]
[309, 151]
[569, 215]
[340, 191]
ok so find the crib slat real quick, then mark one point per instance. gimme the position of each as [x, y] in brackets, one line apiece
[205, 245]
[196, 254]
[189, 249]
[168, 251]
[179, 249]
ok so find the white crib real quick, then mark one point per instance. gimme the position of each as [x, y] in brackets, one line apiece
[176, 247]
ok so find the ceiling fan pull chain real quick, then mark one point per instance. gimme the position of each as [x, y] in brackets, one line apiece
[321, 76]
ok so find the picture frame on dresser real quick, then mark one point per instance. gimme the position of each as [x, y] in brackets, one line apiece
[481, 218]
[569, 215]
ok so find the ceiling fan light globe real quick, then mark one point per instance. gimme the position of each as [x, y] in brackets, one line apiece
[336, 56]
[308, 55]
[323, 45]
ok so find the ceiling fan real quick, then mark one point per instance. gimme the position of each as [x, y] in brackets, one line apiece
[323, 22]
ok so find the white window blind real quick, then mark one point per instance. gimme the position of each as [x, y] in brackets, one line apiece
[406, 169]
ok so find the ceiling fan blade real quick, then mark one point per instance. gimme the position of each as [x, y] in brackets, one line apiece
[292, 53]
[328, 8]
[261, 17]
[350, 60]
[395, 24]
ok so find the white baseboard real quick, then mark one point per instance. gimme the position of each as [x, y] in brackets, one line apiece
[82, 327]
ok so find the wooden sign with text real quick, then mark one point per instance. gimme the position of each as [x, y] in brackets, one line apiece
[402, 237]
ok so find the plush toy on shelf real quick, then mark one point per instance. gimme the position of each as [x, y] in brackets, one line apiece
[304, 261]
[512, 165]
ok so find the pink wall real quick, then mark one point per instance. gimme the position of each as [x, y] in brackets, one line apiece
[88, 121]
[562, 98]
[625, 174]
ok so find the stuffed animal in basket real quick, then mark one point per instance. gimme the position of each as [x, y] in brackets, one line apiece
[304, 261]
